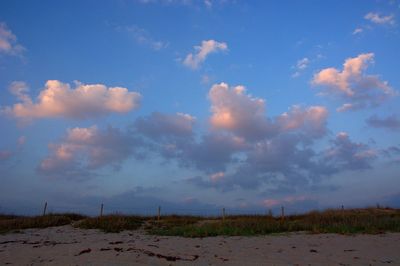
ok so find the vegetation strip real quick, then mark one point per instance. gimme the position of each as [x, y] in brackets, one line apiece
[369, 220]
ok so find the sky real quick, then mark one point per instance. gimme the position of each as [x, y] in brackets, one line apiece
[199, 105]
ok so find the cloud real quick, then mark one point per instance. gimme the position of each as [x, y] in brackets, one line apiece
[58, 99]
[391, 122]
[8, 42]
[281, 156]
[288, 162]
[4, 155]
[352, 85]
[21, 141]
[141, 36]
[266, 148]
[159, 125]
[284, 201]
[235, 111]
[194, 60]
[310, 120]
[358, 31]
[213, 153]
[380, 19]
[344, 154]
[85, 149]
[300, 66]
[195, 3]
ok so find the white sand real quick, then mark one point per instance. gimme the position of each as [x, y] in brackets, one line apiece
[63, 245]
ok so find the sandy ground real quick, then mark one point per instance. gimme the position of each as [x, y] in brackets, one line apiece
[66, 245]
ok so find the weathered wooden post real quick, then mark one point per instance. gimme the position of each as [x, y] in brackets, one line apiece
[223, 214]
[282, 213]
[159, 213]
[101, 210]
[45, 208]
[270, 213]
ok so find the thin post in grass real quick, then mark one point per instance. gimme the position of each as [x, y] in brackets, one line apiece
[223, 214]
[270, 213]
[44, 208]
[101, 210]
[282, 213]
[159, 213]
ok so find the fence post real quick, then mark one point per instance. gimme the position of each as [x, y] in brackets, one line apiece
[159, 213]
[270, 213]
[282, 213]
[45, 208]
[223, 214]
[101, 210]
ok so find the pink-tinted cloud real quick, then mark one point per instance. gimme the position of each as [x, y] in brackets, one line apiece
[8, 41]
[310, 120]
[58, 99]
[270, 203]
[194, 60]
[4, 155]
[352, 85]
[234, 110]
[86, 149]
[217, 176]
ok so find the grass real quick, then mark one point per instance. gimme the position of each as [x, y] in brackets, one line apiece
[111, 223]
[11, 223]
[330, 221]
[369, 220]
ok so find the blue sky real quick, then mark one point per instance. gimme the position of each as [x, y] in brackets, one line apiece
[195, 105]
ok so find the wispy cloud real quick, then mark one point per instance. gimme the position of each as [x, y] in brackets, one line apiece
[8, 42]
[194, 60]
[358, 31]
[196, 3]
[143, 37]
[300, 66]
[58, 99]
[352, 85]
[380, 19]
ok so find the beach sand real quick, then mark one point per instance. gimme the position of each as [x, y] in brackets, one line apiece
[65, 245]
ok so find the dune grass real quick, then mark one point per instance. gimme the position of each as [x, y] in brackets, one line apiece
[111, 223]
[369, 220]
[330, 221]
[11, 223]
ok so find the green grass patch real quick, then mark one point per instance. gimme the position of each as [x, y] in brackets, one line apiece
[111, 223]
